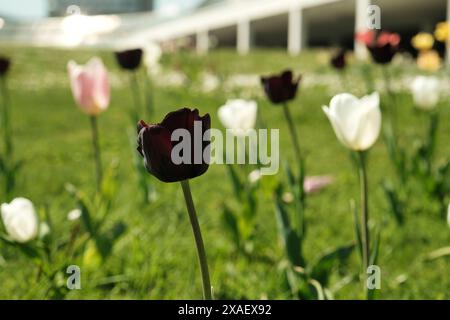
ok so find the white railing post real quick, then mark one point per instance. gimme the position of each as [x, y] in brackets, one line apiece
[243, 36]
[202, 42]
[295, 30]
[360, 26]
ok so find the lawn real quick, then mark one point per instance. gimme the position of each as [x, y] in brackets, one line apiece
[156, 258]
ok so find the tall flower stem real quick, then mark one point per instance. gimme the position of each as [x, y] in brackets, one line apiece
[293, 132]
[9, 166]
[97, 155]
[150, 99]
[134, 85]
[364, 211]
[207, 295]
[392, 108]
[5, 118]
[300, 195]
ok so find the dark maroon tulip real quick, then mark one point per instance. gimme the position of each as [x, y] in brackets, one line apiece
[280, 88]
[155, 145]
[129, 59]
[382, 47]
[4, 65]
[338, 60]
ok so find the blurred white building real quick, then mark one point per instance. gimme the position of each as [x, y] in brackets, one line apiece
[295, 24]
[58, 8]
[243, 24]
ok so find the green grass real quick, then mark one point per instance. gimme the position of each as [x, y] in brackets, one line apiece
[156, 258]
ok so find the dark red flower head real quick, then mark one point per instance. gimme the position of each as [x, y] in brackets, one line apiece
[382, 47]
[155, 145]
[129, 59]
[338, 60]
[280, 88]
[4, 65]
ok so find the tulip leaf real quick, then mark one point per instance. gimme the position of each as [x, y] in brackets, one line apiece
[282, 216]
[116, 231]
[105, 241]
[293, 247]
[291, 240]
[231, 222]
[318, 288]
[395, 203]
[439, 253]
[290, 175]
[236, 182]
[109, 185]
[82, 205]
[322, 267]
[30, 251]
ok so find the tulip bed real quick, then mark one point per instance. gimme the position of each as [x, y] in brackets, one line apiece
[155, 256]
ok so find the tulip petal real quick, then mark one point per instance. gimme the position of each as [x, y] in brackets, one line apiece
[157, 149]
[356, 122]
[370, 122]
[90, 85]
[155, 144]
[425, 92]
[335, 125]
[20, 220]
[238, 115]
[345, 115]
[99, 77]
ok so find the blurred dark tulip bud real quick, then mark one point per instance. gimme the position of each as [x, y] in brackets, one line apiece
[129, 59]
[382, 47]
[280, 88]
[155, 145]
[4, 65]
[338, 60]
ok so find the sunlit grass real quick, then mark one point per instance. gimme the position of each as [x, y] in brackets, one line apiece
[156, 258]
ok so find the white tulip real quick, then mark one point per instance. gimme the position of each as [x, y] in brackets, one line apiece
[356, 122]
[20, 219]
[152, 54]
[74, 214]
[238, 115]
[425, 91]
[210, 82]
[254, 176]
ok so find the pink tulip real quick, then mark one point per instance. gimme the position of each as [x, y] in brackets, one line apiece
[90, 85]
[314, 184]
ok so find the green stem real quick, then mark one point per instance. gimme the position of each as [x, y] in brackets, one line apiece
[96, 147]
[134, 84]
[207, 294]
[9, 167]
[5, 119]
[300, 201]
[364, 212]
[391, 109]
[299, 158]
[293, 132]
[150, 100]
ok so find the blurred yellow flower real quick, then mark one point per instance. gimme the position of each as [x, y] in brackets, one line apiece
[429, 60]
[442, 31]
[423, 41]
